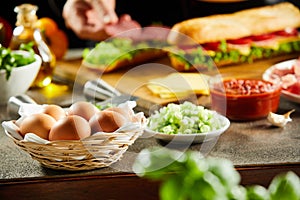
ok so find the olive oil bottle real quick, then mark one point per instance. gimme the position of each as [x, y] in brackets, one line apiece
[25, 32]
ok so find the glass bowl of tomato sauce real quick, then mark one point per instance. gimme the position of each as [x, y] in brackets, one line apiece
[244, 99]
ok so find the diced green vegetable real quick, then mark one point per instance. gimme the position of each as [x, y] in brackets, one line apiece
[186, 118]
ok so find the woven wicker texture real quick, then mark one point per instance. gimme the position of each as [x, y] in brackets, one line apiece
[97, 151]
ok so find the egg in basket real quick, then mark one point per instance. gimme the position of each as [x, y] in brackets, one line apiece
[80, 137]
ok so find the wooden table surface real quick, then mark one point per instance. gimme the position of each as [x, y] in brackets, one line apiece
[258, 150]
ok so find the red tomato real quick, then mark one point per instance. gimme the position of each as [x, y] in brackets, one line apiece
[5, 32]
[211, 46]
[287, 32]
[263, 37]
[245, 40]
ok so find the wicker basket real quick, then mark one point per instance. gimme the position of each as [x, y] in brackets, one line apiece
[96, 151]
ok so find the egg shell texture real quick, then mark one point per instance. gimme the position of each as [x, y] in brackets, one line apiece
[72, 127]
[55, 111]
[83, 109]
[106, 121]
[39, 124]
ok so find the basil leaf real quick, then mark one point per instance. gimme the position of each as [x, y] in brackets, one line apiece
[285, 186]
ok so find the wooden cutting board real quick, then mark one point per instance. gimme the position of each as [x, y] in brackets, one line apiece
[132, 80]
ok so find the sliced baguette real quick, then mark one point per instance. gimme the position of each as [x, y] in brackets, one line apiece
[254, 21]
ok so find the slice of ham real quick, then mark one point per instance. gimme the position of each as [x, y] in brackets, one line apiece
[290, 77]
[296, 68]
[126, 27]
[282, 72]
[288, 80]
[295, 88]
[129, 28]
[155, 33]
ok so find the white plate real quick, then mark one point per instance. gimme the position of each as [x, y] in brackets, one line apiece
[73, 54]
[282, 65]
[191, 138]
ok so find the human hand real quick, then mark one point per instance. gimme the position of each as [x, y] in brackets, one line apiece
[88, 18]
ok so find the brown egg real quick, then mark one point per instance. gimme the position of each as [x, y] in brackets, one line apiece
[106, 121]
[39, 124]
[83, 109]
[72, 127]
[54, 111]
[125, 112]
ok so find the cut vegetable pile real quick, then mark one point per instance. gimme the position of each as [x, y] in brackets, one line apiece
[185, 118]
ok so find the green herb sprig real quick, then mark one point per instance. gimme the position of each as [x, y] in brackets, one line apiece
[191, 176]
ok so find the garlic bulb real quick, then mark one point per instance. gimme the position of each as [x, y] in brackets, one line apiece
[280, 120]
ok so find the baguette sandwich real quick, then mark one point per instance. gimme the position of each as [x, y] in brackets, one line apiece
[116, 53]
[128, 47]
[243, 36]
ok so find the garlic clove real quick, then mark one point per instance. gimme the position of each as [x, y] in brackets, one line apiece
[280, 120]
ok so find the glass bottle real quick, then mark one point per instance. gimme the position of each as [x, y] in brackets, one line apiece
[25, 32]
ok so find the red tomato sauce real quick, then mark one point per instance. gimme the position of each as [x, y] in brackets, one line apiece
[245, 99]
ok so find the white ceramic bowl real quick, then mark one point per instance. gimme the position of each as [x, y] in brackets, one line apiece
[20, 79]
[191, 138]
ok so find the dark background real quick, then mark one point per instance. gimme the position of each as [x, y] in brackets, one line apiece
[146, 12]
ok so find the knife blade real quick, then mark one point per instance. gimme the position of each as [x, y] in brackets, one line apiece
[99, 89]
[15, 102]
[104, 94]
[116, 100]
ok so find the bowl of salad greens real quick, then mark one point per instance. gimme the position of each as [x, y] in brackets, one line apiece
[186, 122]
[18, 69]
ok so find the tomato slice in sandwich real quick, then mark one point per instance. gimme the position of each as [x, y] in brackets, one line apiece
[288, 32]
[214, 46]
[241, 41]
[263, 37]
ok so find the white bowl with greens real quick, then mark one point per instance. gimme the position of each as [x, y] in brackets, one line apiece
[186, 123]
[18, 70]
